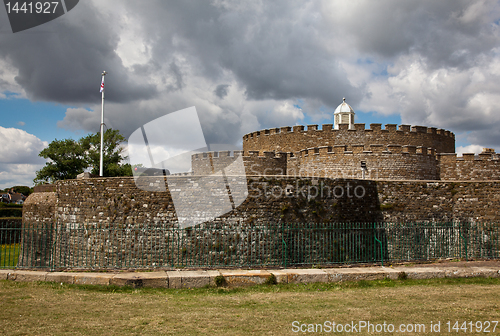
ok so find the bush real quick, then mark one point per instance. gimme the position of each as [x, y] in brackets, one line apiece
[220, 280]
[271, 280]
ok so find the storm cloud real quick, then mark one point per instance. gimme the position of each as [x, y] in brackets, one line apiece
[251, 65]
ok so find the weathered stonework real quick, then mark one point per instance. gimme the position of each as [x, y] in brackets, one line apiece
[109, 222]
[295, 177]
[288, 139]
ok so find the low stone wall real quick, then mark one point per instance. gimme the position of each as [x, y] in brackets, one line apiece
[109, 222]
[469, 167]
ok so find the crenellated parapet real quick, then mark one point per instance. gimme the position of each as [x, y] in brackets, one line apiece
[297, 138]
[470, 167]
[269, 163]
[395, 162]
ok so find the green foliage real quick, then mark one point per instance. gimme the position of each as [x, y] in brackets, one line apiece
[67, 160]
[7, 211]
[68, 157]
[111, 154]
[26, 191]
[387, 206]
[271, 280]
[220, 280]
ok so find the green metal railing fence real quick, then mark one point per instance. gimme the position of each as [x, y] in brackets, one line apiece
[91, 246]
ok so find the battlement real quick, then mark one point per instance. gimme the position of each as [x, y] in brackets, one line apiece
[297, 138]
[484, 156]
[374, 161]
[367, 149]
[269, 163]
[470, 167]
[344, 127]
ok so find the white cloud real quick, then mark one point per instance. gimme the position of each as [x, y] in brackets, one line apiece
[19, 147]
[17, 174]
[476, 149]
[19, 158]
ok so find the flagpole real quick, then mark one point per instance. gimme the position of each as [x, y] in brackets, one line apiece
[102, 124]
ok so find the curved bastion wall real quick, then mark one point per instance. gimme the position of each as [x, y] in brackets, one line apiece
[297, 138]
[394, 162]
[110, 222]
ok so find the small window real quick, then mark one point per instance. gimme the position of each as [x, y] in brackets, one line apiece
[345, 118]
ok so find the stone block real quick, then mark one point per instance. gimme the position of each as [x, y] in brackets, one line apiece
[174, 279]
[93, 278]
[306, 275]
[4, 274]
[197, 279]
[469, 272]
[280, 275]
[360, 273]
[27, 275]
[312, 127]
[141, 279]
[422, 272]
[359, 127]
[245, 277]
[468, 156]
[59, 277]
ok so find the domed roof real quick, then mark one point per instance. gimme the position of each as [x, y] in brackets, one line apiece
[344, 107]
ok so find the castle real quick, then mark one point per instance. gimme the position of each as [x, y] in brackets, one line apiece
[295, 176]
[348, 150]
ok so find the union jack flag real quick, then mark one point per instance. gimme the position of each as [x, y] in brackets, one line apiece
[102, 84]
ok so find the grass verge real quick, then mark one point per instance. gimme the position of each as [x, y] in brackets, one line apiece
[59, 309]
[9, 254]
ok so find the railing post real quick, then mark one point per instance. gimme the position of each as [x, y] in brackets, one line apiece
[460, 226]
[381, 248]
[284, 247]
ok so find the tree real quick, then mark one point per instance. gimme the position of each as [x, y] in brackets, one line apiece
[68, 157]
[26, 191]
[67, 160]
[112, 155]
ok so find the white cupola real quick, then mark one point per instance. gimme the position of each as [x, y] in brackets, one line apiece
[344, 114]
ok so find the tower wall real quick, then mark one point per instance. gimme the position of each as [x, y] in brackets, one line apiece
[297, 138]
[394, 162]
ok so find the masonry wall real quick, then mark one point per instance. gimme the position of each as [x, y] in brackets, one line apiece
[109, 222]
[254, 165]
[39, 214]
[288, 139]
[392, 162]
[469, 168]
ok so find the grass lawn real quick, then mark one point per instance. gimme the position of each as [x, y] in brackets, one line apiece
[8, 255]
[59, 309]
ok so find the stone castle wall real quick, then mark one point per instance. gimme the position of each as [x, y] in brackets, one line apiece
[255, 165]
[288, 139]
[469, 167]
[117, 200]
[393, 162]
[110, 222]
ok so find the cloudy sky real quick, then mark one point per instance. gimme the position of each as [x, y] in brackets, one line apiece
[248, 65]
